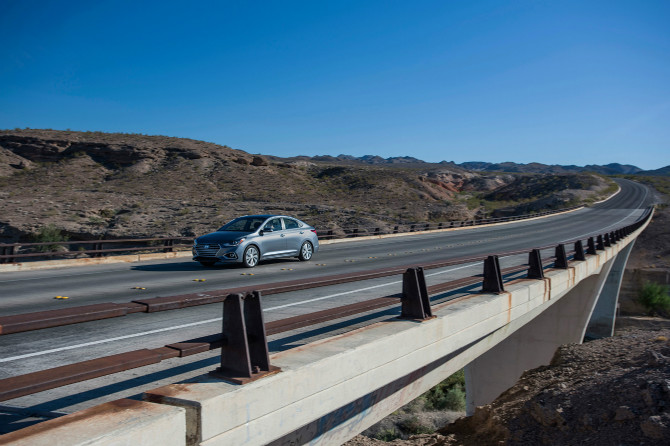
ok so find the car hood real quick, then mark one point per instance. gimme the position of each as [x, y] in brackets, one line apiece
[221, 237]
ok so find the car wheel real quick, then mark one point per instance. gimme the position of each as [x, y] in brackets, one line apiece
[209, 263]
[251, 256]
[306, 251]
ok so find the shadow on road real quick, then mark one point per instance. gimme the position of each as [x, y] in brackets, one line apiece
[195, 266]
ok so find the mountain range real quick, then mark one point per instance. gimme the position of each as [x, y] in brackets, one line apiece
[508, 167]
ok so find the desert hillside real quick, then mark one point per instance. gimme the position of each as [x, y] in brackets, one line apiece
[93, 184]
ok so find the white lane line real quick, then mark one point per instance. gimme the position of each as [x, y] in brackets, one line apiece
[103, 341]
[356, 291]
[646, 191]
[208, 321]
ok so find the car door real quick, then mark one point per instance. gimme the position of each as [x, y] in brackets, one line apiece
[294, 235]
[273, 241]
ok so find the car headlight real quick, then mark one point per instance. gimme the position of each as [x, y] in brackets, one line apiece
[195, 243]
[235, 242]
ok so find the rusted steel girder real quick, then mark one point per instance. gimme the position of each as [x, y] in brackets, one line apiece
[54, 318]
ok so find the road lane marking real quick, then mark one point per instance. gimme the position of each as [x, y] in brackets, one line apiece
[208, 321]
[646, 191]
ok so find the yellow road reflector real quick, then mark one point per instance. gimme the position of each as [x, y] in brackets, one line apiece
[199, 280]
[247, 274]
[138, 288]
[61, 297]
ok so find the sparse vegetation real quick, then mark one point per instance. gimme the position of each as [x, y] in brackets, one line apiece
[655, 298]
[448, 395]
[148, 174]
[46, 234]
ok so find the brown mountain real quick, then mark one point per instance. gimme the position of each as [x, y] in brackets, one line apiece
[93, 184]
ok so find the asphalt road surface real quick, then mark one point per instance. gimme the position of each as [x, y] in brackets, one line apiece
[29, 291]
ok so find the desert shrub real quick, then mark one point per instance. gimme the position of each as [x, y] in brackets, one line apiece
[654, 297]
[447, 395]
[412, 426]
[387, 435]
[46, 234]
[107, 213]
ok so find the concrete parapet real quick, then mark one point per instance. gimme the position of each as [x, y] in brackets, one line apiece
[117, 423]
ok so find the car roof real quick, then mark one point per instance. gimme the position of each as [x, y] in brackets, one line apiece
[267, 216]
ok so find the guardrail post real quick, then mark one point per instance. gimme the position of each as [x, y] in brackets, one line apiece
[600, 245]
[492, 276]
[168, 245]
[535, 265]
[415, 302]
[607, 241]
[579, 251]
[561, 258]
[377, 231]
[244, 354]
[395, 229]
[329, 234]
[440, 226]
[9, 251]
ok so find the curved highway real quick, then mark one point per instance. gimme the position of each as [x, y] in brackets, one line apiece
[25, 292]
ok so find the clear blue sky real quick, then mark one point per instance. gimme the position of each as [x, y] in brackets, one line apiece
[557, 82]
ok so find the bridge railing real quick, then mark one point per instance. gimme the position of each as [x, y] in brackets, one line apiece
[244, 337]
[11, 252]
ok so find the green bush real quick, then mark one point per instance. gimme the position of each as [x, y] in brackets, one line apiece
[387, 435]
[448, 395]
[46, 234]
[655, 298]
[412, 426]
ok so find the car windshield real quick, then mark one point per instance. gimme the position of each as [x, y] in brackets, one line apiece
[243, 224]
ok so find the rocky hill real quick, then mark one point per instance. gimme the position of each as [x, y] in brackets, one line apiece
[93, 184]
[481, 166]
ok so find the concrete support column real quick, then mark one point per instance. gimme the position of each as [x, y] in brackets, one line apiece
[534, 343]
[603, 318]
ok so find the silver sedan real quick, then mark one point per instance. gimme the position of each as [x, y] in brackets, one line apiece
[253, 238]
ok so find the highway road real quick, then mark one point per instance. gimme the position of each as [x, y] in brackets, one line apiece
[29, 291]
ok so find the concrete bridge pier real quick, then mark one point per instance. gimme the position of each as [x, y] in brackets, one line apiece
[534, 343]
[603, 318]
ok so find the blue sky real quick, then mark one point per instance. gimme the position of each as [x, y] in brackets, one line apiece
[557, 82]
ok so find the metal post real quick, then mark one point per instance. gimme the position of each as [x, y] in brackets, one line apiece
[561, 258]
[415, 302]
[244, 354]
[535, 265]
[492, 276]
[579, 251]
[591, 250]
[600, 245]
[607, 241]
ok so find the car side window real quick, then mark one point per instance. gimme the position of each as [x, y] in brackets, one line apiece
[290, 223]
[275, 224]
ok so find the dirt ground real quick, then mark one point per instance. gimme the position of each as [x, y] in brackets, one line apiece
[605, 392]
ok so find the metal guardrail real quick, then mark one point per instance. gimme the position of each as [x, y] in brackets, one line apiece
[10, 252]
[244, 338]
